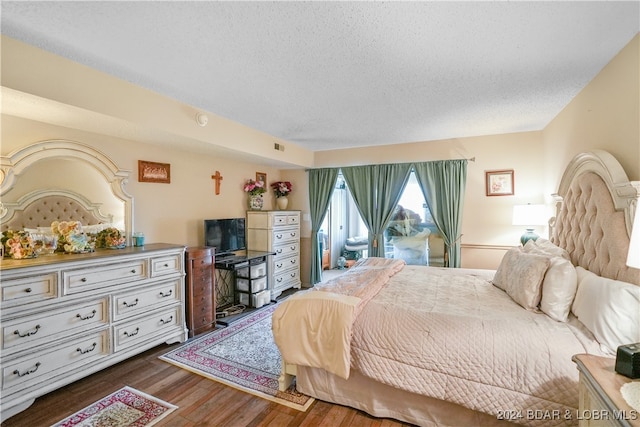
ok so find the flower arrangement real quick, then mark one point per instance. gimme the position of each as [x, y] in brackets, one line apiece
[254, 188]
[19, 244]
[110, 238]
[282, 188]
[71, 237]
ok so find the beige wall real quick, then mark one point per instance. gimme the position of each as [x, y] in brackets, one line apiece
[604, 115]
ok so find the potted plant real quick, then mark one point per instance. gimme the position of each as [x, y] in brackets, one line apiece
[282, 190]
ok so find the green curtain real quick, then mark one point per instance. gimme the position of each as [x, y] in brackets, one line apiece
[321, 185]
[376, 190]
[443, 184]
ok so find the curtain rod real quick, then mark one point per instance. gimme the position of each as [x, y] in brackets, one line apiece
[472, 159]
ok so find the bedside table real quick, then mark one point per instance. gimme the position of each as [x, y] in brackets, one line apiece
[601, 403]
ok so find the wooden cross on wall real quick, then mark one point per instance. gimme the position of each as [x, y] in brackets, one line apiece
[217, 178]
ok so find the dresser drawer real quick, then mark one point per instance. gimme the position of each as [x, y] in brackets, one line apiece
[286, 236]
[286, 250]
[170, 264]
[24, 290]
[146, 328]
[103, 275]
[284, 220]
[44, 365]
[286, 280]
[283, 264]
[145, 299]
[28, 331]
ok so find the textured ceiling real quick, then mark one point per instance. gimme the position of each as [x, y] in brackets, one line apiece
[327, 75]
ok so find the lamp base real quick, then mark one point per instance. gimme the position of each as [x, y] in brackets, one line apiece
[528, 235]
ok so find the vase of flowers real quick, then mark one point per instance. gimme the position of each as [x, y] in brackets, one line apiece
[282, 190]
[19, 244]
[255, 190]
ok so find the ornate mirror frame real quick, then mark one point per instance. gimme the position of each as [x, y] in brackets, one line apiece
[17, 163]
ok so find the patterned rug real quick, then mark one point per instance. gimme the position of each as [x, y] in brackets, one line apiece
[126, 407]
[244, 356]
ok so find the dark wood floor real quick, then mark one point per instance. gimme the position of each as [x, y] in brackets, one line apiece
[201, 401]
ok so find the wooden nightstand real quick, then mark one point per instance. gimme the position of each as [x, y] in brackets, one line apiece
[601, 403]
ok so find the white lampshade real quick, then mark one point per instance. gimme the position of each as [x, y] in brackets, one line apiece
[530, 215]
[633, 259]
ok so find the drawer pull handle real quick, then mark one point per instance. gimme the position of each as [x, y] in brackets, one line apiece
[162, 294]
[278, 236]
[83, 280]
[133, 271]
[87, 317]
[28, 290]
[279, 265]
[164, 322]
[30, 371]
[132, 334]
[293, 234]
[279, 251]
[279, 279]
[293, 261]
[293, 248]
[27, 334]
[292, 274]
[133, 304]
[87, 350]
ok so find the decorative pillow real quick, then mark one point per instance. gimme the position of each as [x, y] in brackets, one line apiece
[545, 247]
[520, 274]
[610, 309]
[560, 281]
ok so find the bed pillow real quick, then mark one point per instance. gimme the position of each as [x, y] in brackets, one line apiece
[545, 247]
[520, 275]
[610, 309]
[560, 281]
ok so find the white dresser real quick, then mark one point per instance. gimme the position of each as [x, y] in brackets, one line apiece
[67, 316]
[278, 232]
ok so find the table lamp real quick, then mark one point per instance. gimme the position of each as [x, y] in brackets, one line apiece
[529, 215]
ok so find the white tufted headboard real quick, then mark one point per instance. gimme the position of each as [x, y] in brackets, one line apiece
[40, 208]
[595, 208]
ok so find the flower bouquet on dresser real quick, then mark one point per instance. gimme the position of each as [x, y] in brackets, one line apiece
[110, 238]
[282, 190]
[71, 237]
[18, 244]
[256, 190]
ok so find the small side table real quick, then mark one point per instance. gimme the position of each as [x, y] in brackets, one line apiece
[601, 403]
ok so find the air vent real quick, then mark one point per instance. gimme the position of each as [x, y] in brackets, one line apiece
[278, 146]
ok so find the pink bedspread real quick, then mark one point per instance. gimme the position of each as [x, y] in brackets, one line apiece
[450, 334]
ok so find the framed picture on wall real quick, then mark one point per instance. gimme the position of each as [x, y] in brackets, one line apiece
[154, 172]
[499, 183]
[261, 177]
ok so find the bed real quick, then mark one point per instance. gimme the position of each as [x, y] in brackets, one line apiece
[451, 347]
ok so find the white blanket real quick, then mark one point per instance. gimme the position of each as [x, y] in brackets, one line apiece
[313, 328]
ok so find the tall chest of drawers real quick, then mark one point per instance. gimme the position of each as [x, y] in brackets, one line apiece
[200, 289]
[67, 316]
[278, 232]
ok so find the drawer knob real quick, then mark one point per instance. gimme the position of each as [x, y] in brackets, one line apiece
[27, 334]
[133, 304]
[133, 271]
[168, 294]
[27, 372]
[87, 317]
[83, 280]
[169, 320]
[166, 265]
[28, 290]
[87, 350]
[132, 334]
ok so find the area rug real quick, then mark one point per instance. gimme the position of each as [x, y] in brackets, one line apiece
[126, 407]
[243, 356]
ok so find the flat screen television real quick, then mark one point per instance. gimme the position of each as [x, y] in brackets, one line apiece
[226, 235]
